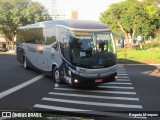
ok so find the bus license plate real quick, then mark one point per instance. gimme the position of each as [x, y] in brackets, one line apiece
[98, 80]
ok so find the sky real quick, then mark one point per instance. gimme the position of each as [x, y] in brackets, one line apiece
[87, 9]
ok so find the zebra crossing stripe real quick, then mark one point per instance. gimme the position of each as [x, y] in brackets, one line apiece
[92, 103]
[123, 77]
[122, 80]
[116, 87]
[117, 83]
[120, 69]
[94, 96]
[122, 74]
[59, 108]
[97, 91]
[91, 112]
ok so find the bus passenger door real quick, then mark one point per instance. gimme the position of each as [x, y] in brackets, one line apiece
[39, 56]
[52, 56]
[63, 39]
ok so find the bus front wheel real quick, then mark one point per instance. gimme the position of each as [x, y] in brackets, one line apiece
[56, 75]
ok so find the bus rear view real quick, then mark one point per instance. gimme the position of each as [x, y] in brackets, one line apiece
[83, 52]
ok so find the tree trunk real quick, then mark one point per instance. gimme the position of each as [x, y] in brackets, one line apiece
[133, 33]
[10, 44]
[7, 44]
[123, 31]
[158, 34]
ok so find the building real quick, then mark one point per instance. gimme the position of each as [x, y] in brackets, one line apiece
[67, 15]
[2, 42]
[2, 39]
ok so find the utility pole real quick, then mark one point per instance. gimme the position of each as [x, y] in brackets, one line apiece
[54, 9]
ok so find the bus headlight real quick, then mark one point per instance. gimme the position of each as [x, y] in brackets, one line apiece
[75, 81]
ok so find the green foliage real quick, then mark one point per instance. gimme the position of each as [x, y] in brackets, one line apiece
[15, 13]
[152, 45]
[139, 56]
[132, 17]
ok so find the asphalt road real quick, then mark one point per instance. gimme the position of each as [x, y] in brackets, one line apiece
[135, 91]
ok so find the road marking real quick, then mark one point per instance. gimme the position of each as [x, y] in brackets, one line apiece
[117, 83]
[55, 108]
[18, 87]
[97, 91]
[122, 77]
[59, 108]
[121, 70]
[120, 67]
[92, 103]
[122, 74]
[94, 96]
[141, 64]
[124, 80]
[116, 87]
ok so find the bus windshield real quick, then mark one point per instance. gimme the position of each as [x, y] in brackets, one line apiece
[94, 49]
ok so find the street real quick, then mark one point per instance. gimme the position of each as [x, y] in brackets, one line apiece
[136, 90]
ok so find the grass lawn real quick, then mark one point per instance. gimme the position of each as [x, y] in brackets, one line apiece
[151, 56]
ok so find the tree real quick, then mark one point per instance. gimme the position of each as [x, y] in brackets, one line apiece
[151, 22]
[132, 17]
[16, 13]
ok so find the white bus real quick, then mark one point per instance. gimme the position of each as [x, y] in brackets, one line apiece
[73, 51]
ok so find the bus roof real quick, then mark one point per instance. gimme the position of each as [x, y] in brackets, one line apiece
[73, 24]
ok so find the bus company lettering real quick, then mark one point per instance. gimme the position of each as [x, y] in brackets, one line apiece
[34, 115]
[26, 115]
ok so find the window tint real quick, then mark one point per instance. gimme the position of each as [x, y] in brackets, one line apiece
[49, 35]
[34, 36]
[19, 37]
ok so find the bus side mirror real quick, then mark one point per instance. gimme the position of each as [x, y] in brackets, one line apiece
[120, 39]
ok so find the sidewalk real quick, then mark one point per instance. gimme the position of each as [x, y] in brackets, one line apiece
[11, 52]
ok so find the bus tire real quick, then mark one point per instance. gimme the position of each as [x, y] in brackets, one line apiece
[56, 75]
[113, 79]
[25, 64]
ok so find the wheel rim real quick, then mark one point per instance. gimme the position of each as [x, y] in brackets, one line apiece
[25, 64]
[56, 75]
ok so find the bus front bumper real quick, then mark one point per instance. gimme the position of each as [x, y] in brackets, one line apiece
[78, 80]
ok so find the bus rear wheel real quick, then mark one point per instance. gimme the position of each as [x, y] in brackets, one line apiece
[25, 64]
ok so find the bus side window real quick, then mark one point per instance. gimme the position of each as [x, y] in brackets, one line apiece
[106, 46]
[41, 41]
[49, 35]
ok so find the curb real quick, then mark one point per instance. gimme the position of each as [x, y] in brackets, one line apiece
[140, 64]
